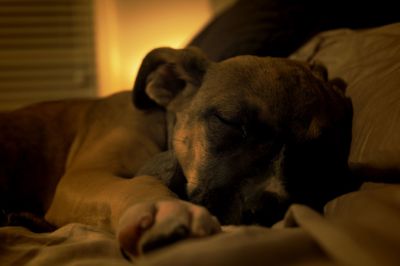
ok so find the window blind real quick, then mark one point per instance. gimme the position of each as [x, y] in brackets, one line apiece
[46, 51]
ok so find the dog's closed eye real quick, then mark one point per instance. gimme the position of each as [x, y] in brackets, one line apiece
[224, 134]
[233, 123]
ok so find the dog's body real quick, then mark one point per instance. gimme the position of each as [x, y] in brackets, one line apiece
[244, 138]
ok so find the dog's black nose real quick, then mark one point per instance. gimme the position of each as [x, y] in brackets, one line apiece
[223, 203]
[268, 210]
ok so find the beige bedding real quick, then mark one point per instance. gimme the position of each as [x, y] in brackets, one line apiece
[360, 228]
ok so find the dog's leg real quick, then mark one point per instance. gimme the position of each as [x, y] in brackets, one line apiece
[101, 203]
[129, 207]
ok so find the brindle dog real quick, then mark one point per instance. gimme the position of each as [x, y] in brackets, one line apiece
[244, 138]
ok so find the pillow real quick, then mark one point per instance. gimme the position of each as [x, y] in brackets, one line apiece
[369, 62]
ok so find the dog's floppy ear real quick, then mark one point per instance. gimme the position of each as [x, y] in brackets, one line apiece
[341, 106]
[165, 73]
[321, 72]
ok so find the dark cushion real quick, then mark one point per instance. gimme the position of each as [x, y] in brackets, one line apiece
[278, 27]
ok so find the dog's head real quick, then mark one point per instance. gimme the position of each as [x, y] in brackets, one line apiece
[251, 134]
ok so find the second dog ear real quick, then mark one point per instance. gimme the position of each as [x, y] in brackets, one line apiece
[166, 73]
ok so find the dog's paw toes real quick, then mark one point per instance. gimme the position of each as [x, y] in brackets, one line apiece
[133, 223]
[149, 226]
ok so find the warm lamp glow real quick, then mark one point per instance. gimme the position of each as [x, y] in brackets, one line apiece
[128, 30]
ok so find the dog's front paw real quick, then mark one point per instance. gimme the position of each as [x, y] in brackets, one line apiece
[148, 226]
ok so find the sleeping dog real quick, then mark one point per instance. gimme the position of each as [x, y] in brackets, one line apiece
[203, 143]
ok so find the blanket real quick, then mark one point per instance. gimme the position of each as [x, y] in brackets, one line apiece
[359, 228]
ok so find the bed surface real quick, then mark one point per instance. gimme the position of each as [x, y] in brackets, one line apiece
[359, 228]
